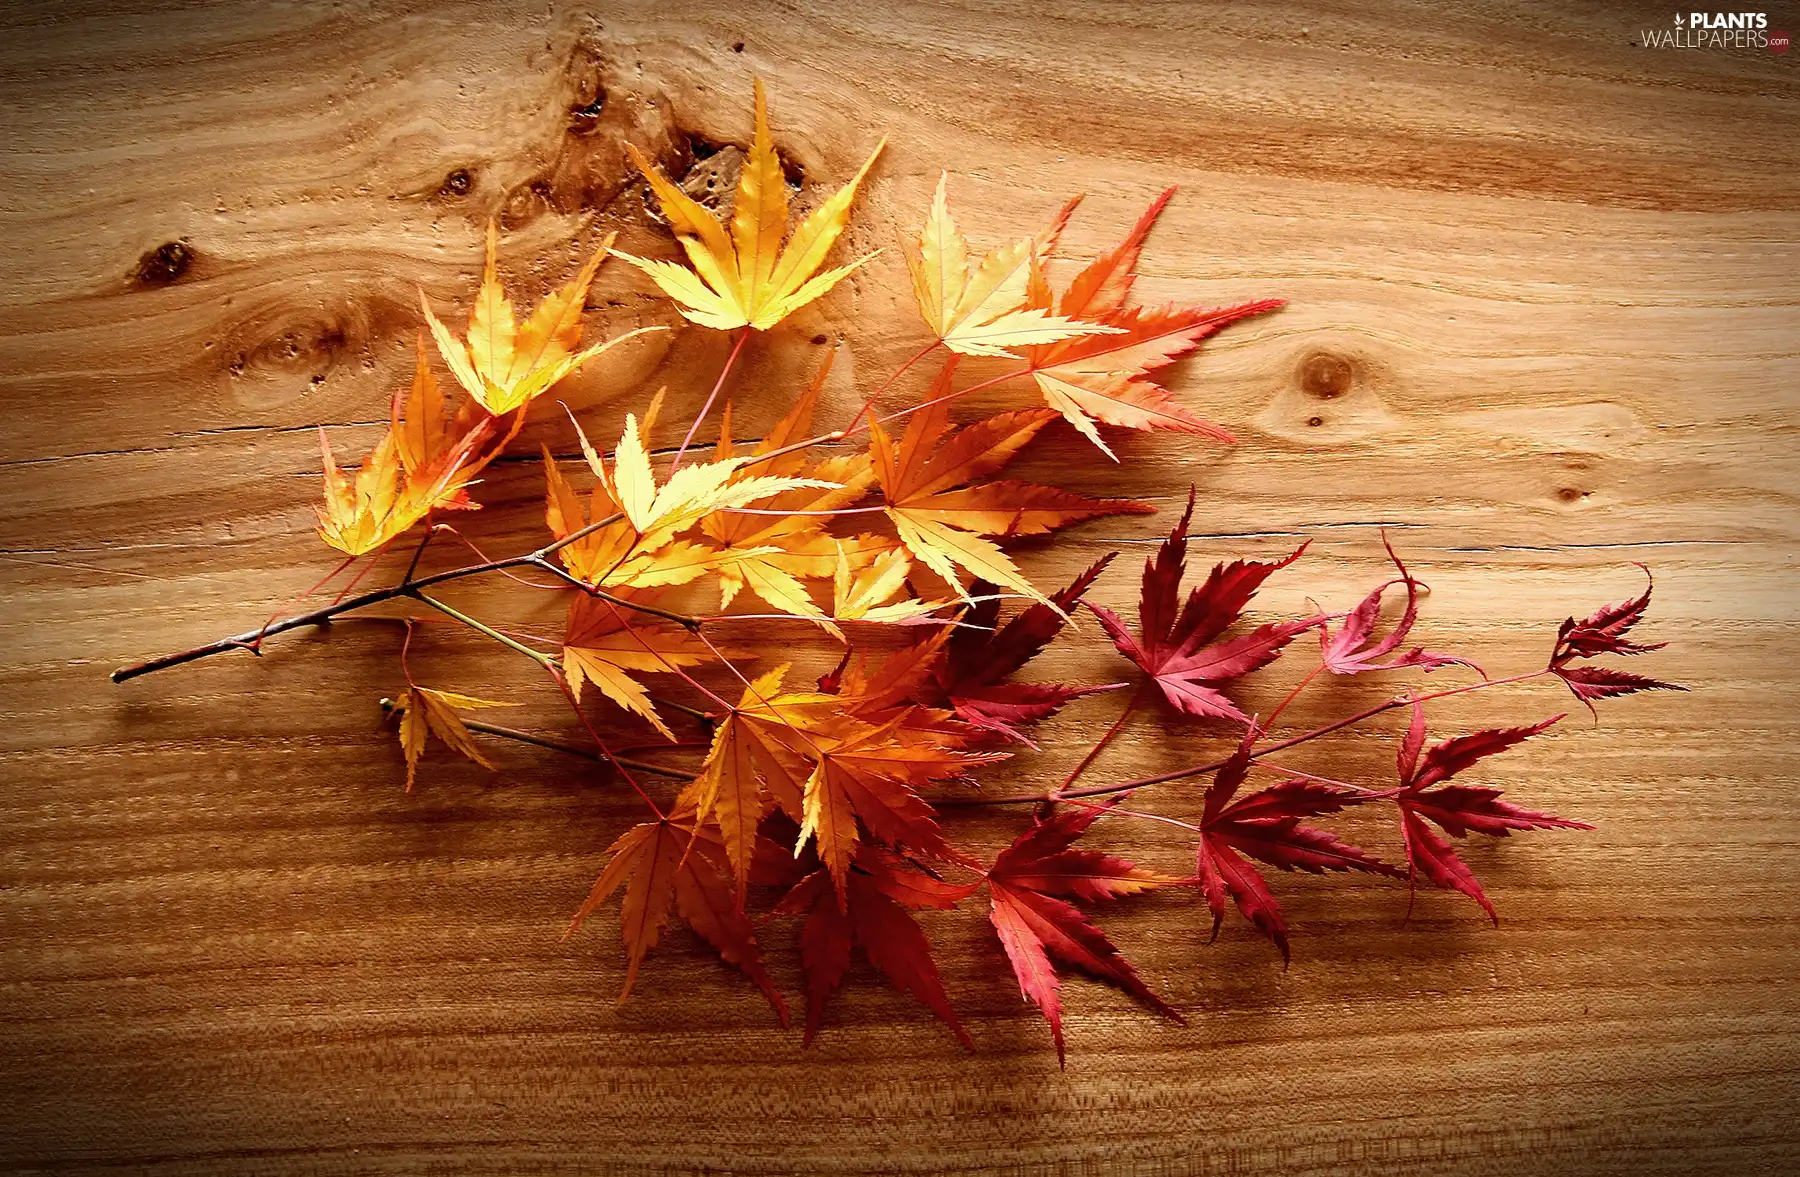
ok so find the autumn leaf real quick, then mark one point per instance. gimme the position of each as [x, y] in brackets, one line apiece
[941, 518]
[1353, 648]
[421, 464]
[505, 365]
[868, 594]
[641, 549]
[868, 776]
[979, 308]
[605, 643]
[1103, 378]
[1458, 809]
[787, 528]
[675, 861]
[762, 753]
[881, 890]
[1030, 886]
[744, 277]
[424, 710]
[1604, 633]
[1181, 653]
[1265, 825]
[979, 658]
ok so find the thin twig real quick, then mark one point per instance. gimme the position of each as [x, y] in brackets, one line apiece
[513, 733]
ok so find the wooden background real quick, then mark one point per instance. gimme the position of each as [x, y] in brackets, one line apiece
[1543, 324]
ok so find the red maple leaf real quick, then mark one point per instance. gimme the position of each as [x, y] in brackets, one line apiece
[1604, 633]
[1266, 826]
[881, 888]
[1459, 809]
[1031, 883]
[1352, 649]
[1180, 652]
[980, 654]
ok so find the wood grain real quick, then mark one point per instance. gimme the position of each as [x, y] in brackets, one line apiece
[1543, 324]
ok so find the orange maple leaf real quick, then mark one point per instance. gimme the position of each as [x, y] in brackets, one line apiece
[424, 710]
[606, 643]
[642, 548]
[787, 529]
[762, 753]
[941, 518]
[675, 861]
[420, 464]
[980, 308]
[1101, 378]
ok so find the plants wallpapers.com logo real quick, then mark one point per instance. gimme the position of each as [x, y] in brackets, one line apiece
[1716, 30]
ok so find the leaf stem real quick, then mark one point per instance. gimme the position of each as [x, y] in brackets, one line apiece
[889, 383]
[1093, 754]
[1292, 695]
[730, 361]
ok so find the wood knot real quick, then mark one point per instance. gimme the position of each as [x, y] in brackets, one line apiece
[1569, 494]
[584, 117]
[457, 183]
[1326, 376]
[164, 264]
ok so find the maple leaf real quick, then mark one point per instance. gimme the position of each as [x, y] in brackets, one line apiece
[759, 754]
[604, 644]
[675, 861]
[419, 465]
[865, 595]
[1030, 886]
[1353, 650]
[980, 308]
[424, 710]
[1180, 652]
[978, 656]
[641, 550]
[1265, 825]
[882, 888]
[867, 775]
[505, 365]
[745, 278]
[1458, 809]
[787, 529]
[1604, 633]
[1102, 378]
[941, 519]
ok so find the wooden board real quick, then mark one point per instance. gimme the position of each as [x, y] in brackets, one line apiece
[1542, 325]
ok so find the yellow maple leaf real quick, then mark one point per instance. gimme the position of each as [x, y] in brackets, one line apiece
[423, 709]
[505, 365]
[420, 464]
[643, 544]
[980, 308]
[864, 595]
[742, 277]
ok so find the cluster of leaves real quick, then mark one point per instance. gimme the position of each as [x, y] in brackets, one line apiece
[833, 792]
